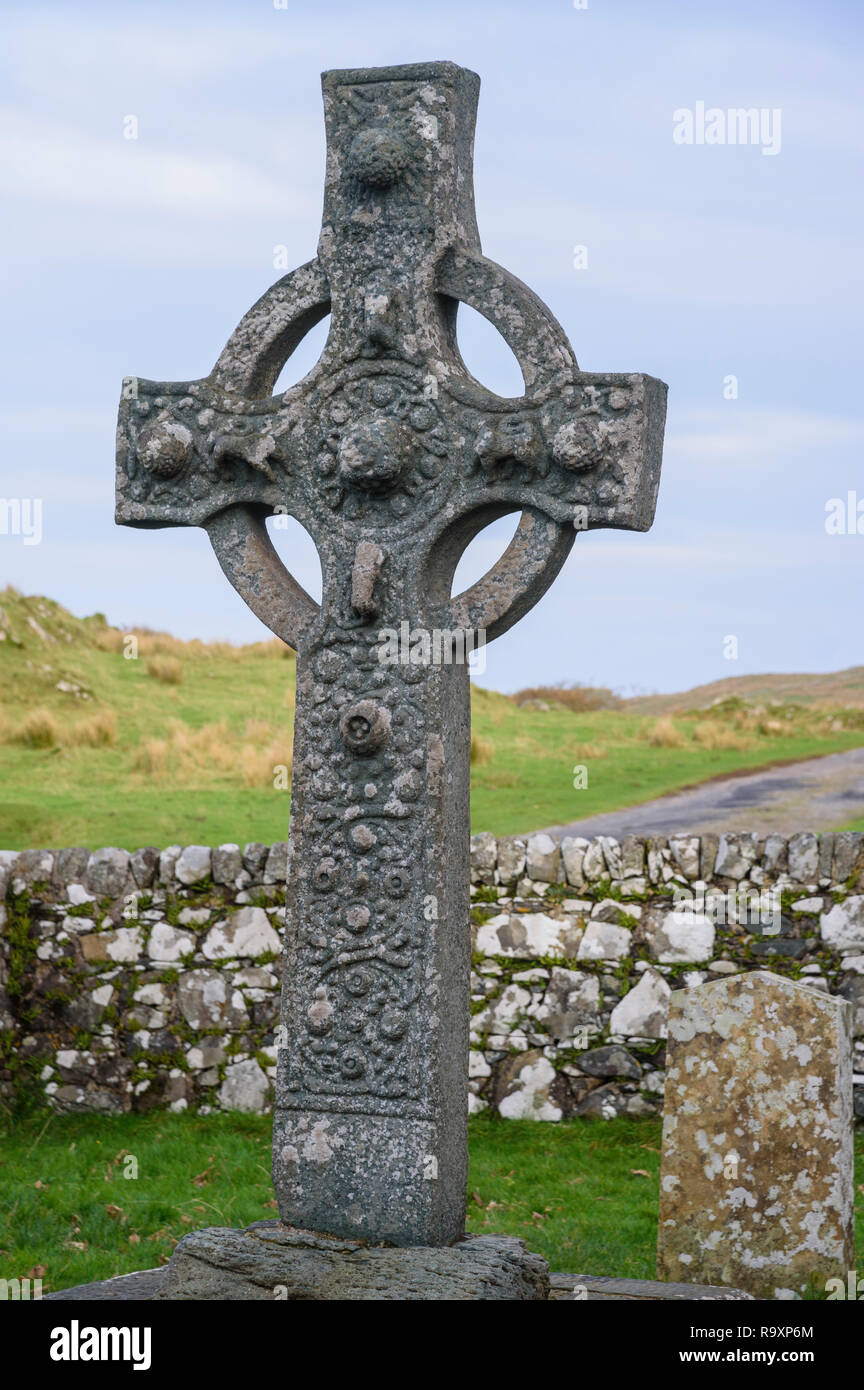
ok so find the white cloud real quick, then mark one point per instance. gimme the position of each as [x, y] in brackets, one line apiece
[42, 162]
[647, 251]
[756, 439]
[50, 54]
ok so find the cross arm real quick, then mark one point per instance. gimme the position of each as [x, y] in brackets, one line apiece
[581, 454]
[187, 450]
[193, 454]
[586, 454]
[591, 441]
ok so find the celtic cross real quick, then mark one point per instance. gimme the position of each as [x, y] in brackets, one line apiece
[393, 457]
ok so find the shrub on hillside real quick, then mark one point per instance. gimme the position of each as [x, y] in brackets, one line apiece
[576, 698]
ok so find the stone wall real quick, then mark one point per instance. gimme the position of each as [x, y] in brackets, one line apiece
[129, 981]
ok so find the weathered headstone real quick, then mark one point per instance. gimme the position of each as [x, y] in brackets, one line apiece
[393, 457]
[756, 1182]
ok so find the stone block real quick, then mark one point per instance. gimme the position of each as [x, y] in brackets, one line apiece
[269, 1261]
[756, 1186]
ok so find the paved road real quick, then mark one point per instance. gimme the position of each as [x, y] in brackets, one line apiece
[819, 794]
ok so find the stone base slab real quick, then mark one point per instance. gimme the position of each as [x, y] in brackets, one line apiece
[139, 1287]
[597, 1288]
[270, 1262]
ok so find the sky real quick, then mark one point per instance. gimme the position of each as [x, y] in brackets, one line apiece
[731, 271]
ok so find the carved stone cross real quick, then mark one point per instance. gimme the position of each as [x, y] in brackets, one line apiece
[393, 457]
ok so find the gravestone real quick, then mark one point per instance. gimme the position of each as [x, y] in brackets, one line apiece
[393, 457]
[756, 1186]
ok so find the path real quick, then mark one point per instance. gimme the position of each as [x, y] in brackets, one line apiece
[819, 794]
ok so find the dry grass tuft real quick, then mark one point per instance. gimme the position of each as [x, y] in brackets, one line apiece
[39, 730]
[585, 751]
[155, 644]
[108, 639]
[256, 731]
[250, 759]
[99, 731]
[708, 734]
[275, 647]
[264, 767]
[772, 728]
[166, 669]
[482, 749]
[153, 757]
[665, 734]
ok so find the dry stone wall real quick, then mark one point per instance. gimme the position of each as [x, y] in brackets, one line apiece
[151, 979]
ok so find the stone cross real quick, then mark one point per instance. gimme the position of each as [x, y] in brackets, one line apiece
[756, 1186]
[393, 457]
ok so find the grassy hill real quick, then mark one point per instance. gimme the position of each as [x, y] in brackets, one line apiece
[832, 687]
[135, 739]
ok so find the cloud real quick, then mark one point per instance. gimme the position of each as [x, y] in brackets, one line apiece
[756, 439]
[50, 53]
[648, 252]
[41, 162]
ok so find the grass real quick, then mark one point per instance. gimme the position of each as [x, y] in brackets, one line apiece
[582, 1193]
[69, 1210]
[133, 739]
[628, 757]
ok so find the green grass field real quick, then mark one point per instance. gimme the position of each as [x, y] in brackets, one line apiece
[179, 743]
[582, 1193]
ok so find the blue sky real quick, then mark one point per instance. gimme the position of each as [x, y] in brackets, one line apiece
[704, 261]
